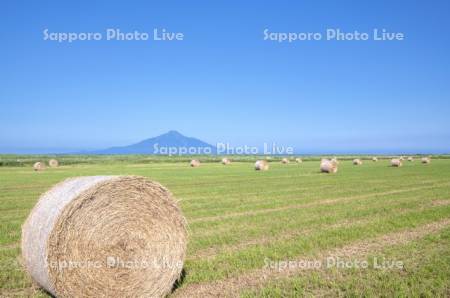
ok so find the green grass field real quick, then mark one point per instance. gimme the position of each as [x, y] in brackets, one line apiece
[239, 219]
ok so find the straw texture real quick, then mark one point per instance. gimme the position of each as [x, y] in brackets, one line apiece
[226, 161]
[105, 236]
[261, 165]
[396, 162]
[425, 160]
[328, 166]
[53, 163]
[357, 162]
[195, 163]
[39, 166]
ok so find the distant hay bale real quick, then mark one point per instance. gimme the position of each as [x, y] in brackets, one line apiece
[396, 162]
[261, 165]
[410, 158]
[328, 166]
[53, 163]
[105, 236]
[402, 158]
[226, 161]
[357, 162]
[374, 159]
[268, 158]
[426, 160]
[298, 160]
[285, 161]
[39, 166]
[335, 160]
[195, 163]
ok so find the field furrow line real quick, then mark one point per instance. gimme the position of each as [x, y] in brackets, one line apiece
[281, 189]
[211, 252]
[255, 279]
[322, 202]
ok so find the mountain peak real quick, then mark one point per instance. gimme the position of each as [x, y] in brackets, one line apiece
[160, 144]
[173, 133]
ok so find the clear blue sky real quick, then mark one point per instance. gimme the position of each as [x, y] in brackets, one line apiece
[223, 82]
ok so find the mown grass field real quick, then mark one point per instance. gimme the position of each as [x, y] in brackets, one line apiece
[239, 219]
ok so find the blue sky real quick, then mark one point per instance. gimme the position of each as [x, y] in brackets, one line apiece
[223, 82]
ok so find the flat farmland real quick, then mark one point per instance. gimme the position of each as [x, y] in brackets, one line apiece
[287, 232]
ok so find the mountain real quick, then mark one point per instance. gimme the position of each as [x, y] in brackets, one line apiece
[172, 142]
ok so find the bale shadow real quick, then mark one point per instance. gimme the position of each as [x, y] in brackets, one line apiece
[179, 281]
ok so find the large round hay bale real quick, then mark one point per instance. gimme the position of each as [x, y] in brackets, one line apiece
[195, 163]
[357, 162]
[396, 162]
[425, 160]
[328, 166]
[298, 160]
[105, 236]
[261, 165]
[39, 166]
[410, 158]
[374, 159]
[53, 163]
[285, 161]
[226, 161]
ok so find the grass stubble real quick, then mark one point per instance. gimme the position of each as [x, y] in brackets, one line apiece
[239, 217]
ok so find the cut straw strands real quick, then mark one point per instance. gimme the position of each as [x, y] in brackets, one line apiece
[39, 166]
[226, 161]
[425, 160]
[328, 166]
[261, 165]
[285, 161]
[357, 162]
[194, 163]
[396, 162]
[105, 236]
[53, 163]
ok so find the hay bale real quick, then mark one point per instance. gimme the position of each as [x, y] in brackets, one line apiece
[396, 162]
[298, 160]
[226, 161]
[39, 166]
[402, 158]
[374, 159]
[425, 160]
[285, 161]
[357, 162]
[195, 163]
[261, 165]
[410, 158]
[105, 236]
[53, 163]
[328, 166]
[335, 160]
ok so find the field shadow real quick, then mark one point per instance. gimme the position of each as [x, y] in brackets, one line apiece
[179, 281]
